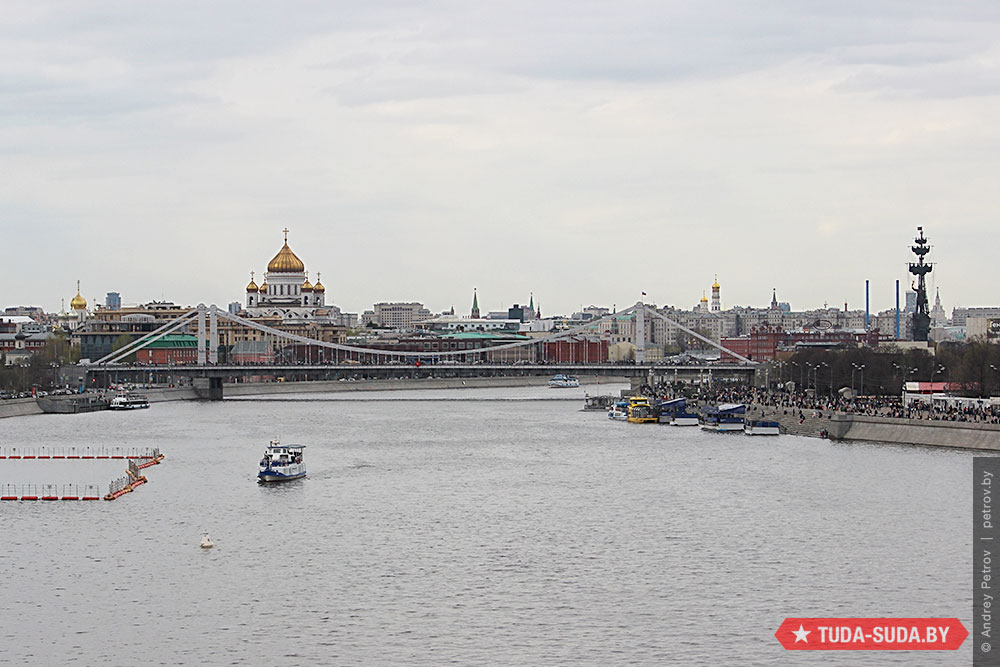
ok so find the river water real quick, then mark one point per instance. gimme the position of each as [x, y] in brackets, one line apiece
[472, 527]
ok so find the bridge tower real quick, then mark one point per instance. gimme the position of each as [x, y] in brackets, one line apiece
[640, 332]
[201, 334]
[213, 334]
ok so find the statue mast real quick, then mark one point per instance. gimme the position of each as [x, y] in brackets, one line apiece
[921, 316]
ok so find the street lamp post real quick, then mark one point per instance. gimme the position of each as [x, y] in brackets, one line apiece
[860, 369]
[823, 363]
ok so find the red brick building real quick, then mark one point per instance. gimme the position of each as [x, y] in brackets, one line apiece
[577, 349]
[766, 343]
[171, 349]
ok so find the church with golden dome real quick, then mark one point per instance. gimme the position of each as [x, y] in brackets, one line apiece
[287, 293]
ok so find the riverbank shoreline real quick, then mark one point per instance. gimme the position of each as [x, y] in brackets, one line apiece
[29, 406]
[848, 427]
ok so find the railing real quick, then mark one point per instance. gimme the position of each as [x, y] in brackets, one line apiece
[49, 492]
[78, 453]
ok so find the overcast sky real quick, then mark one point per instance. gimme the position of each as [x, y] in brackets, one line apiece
[585, 151]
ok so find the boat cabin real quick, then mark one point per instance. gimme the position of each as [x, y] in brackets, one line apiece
[282, 455]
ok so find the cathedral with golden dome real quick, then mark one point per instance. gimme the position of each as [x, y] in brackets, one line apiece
[287, 293]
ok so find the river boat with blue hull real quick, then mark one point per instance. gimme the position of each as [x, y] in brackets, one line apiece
[685, 419]
[281, 463]
[669, 407]
[640, 411]
[561, 381]
[761, 427]
[675, 412]
[723, 418]
[619, 411]
[128, 401]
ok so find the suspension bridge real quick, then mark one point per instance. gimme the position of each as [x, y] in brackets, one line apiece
[324, 360]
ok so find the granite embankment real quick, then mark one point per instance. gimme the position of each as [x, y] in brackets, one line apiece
[19, 407]
[850, 427]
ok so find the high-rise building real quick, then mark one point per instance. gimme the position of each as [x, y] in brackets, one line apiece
[113, 300]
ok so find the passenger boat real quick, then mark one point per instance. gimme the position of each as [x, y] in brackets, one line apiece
[640, 411]
[281, 463]
[561, 381]
[619, 411]
[723, 418]
[126, 401]
[761, 427]
[675, 412]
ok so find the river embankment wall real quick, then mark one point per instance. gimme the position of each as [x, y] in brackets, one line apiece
[850, 427]
[19, 407]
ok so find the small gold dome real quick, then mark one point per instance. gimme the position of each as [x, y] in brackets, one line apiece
[78, 302]
[252, 287]
[307, 286]
[318, 287]
[715, 285]
[704, 299]
[263, 287]
[286, 261]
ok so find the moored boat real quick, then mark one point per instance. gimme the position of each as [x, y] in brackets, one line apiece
[762, 427]
[598, 402]
[685, 419]
[640, 411]
[619, 411]
[723, 418]
[281, 463]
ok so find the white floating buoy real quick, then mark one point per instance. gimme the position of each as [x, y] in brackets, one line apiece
[206, 542]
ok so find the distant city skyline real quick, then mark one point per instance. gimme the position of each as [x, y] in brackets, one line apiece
[585, 153]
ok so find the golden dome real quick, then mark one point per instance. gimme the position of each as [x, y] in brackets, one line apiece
[307, 286]
[263, 287]
[286, 261]
[704, 299]
[252, 287]
[318, 287]
[78, 302]
[715, 285]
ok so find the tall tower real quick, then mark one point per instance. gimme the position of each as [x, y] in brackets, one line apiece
[774, 298]
[475, 304]
[938, 316]
[921, 317]
[252, 292]
[716, 301]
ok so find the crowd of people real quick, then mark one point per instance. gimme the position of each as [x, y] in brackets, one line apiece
[805, 403]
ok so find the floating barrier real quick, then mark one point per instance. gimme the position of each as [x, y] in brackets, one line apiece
[49, 492]
[78, 453]
[149, 456]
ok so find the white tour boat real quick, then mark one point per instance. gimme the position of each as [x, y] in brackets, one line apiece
[281, 463]
[126, 401]
[561, 381]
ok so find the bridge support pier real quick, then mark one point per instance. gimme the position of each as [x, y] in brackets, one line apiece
[208, 388]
